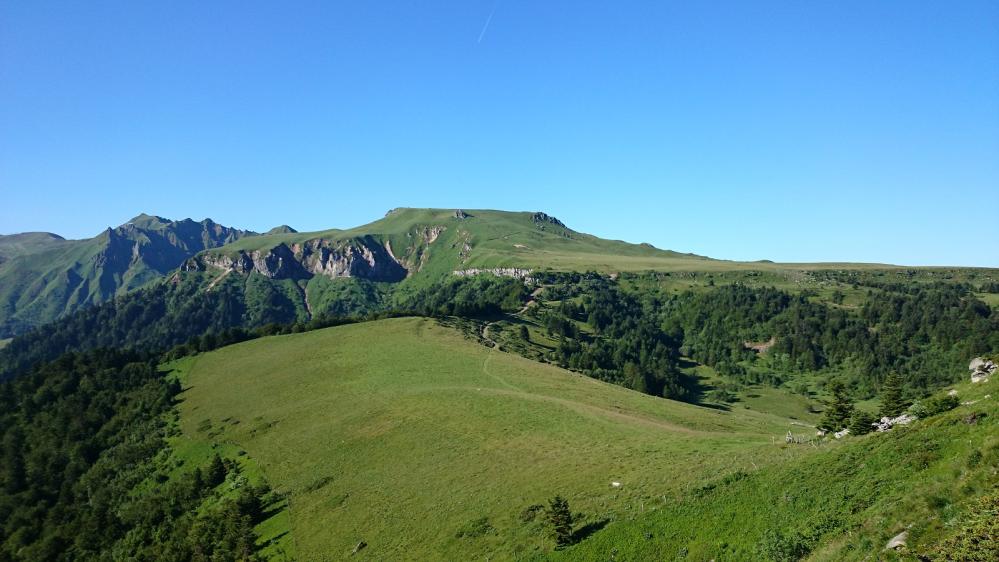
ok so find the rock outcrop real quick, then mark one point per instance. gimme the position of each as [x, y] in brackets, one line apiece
[898, 541]
[541, 219]
[364, 258]
[886, 423]
[516, 272]
[981, 369]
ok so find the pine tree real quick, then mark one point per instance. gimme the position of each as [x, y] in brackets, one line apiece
[216, 472]
[559, 521]
[839, 409]
[861, 422]
[892, 402]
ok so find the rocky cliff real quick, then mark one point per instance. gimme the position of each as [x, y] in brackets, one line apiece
[363, 257]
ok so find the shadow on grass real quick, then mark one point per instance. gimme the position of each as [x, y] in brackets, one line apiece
[586, 530]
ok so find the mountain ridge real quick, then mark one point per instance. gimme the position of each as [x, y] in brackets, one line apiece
[46, 276]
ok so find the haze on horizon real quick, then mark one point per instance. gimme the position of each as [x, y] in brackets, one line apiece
[850, 132]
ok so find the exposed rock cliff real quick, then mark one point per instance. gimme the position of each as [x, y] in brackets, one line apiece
[365, 258]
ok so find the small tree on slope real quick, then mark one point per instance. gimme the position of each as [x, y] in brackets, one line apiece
[839, 409]
[559, 520]
[892, 402]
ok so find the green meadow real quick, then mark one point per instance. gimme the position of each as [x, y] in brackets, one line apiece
[406, 436]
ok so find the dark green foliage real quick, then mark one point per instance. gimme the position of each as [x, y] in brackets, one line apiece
[839, 408]
[80, 437]
[559, 521]
[78, 433]
[892, 402]
[475, 296]
[924, 332]
[216, 472]
[861, 422]
[629, 348]
[935, 405]
[524, 333]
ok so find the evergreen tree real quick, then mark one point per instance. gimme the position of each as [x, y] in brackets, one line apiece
[839, 409]
[892, 402]
[861, 422]
[559, 521]
[524, 333]
[216, 472]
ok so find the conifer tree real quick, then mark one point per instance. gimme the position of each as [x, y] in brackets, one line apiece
[861, 423]
[216, 472]
[559, 521]
[892, 402]
[839, 409]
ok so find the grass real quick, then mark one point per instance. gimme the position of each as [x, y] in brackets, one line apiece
[514, 239]
[842, 503]
[405, 435]
[196, 449]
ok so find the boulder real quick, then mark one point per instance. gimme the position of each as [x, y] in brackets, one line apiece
[981, 369]
[898, 541]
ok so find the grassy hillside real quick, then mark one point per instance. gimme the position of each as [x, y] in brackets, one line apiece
[933, 479]
[514, 239]
[404, 435]
[13, 245]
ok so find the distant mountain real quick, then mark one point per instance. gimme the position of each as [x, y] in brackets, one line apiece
[43, 276]
[304, 274]
[14, 245]
[425, 243]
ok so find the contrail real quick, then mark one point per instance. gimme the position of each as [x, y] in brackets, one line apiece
[489, 19]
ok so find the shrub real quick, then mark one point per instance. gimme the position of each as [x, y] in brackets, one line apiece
[935, 405]
[475, 528]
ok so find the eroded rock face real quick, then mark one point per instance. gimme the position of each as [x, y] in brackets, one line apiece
[364, 258]
[516, 272]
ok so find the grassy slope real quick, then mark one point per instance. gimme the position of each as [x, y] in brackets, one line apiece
[13, 245]
[512, 239]
[400, 433]
[841, 503]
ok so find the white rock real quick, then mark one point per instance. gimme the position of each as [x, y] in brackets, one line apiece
[898, 541]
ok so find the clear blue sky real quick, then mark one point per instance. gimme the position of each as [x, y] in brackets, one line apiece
[861, 131]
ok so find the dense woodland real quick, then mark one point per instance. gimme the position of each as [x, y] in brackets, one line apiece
[924, 332]
[83, 442]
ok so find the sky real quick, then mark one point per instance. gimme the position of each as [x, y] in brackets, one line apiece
[790, 131]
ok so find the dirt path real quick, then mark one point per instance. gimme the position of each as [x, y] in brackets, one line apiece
[495, 344]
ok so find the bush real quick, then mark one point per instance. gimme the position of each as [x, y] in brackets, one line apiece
[780, 547]
[935, 405]
[475, 528]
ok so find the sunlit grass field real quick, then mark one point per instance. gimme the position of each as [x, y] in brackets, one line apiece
[406, 436]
